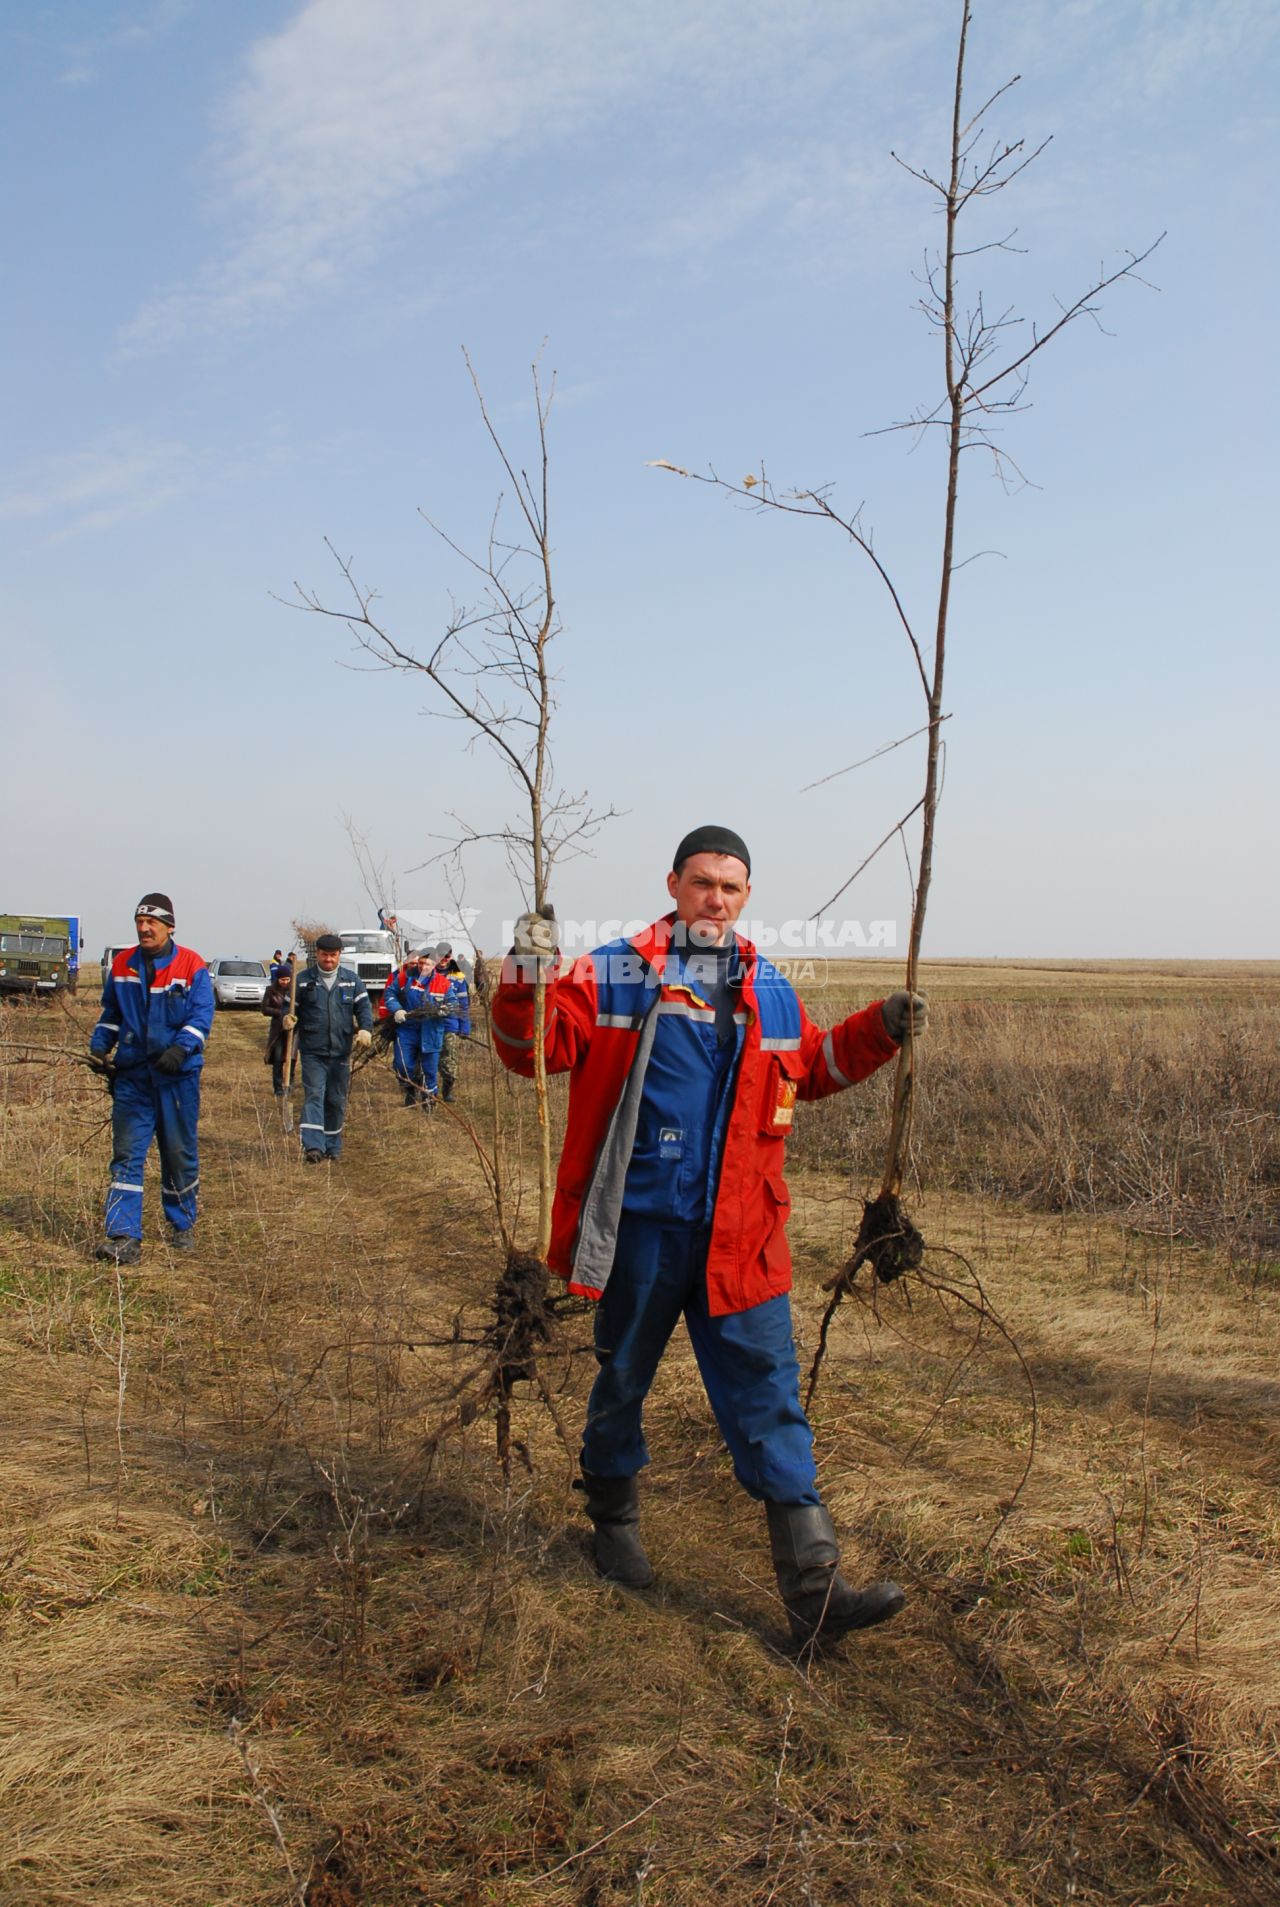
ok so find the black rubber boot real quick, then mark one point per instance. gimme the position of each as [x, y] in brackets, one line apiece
[120, 1251]
[820, 1604]
[410, 1095]
[446, 1088]
[613, 1504]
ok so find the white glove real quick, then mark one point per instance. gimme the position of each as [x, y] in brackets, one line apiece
[363, 1036]
[896, 1010]
[289, 1021]
[400, 1016]
[536, 935]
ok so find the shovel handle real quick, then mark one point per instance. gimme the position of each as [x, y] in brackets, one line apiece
[286, 1104]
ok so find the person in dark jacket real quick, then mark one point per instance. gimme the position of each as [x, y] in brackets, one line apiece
[157, 1013]
[331, 1011]
[687, 1053]
[275, 1004]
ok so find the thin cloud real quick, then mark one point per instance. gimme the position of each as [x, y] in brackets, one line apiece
[79, 492]
[126, 36]
[361, 113]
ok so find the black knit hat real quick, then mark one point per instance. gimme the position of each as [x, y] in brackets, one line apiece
[328, 943]
[155, 907]
[712, 840]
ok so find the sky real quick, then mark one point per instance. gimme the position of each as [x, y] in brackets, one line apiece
[247, 243]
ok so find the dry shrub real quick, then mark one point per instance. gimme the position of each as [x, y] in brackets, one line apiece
[1162, 1116]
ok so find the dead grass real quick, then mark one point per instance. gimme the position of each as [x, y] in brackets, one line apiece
[1148, 1097]
[445, 1706]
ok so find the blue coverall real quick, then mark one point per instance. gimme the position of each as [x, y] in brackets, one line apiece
[747, 1359]
[404, 992]
[141, 1016]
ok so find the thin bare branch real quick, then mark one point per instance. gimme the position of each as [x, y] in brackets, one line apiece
[887, 748]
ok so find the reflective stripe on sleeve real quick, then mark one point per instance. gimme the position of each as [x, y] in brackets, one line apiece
[829, 1054]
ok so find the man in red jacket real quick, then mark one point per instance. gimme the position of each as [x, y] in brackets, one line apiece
[687, 1052]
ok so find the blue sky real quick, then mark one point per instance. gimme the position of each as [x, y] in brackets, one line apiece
[245, 244]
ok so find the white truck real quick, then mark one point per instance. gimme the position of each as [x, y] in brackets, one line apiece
[373, 952]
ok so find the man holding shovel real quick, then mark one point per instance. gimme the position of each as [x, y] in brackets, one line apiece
[687, 1052]
[331, 1012]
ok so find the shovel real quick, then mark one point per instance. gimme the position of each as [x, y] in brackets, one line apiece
[286, 1104]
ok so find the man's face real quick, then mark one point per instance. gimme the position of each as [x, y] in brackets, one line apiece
[710, 892]
[153, 935]
[327, 958]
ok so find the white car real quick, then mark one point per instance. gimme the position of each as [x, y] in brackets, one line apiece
[239, 982]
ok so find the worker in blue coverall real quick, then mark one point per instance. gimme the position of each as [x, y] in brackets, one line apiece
[157, 1013]
[402, 996]
[688, 1052]
[331, 1012]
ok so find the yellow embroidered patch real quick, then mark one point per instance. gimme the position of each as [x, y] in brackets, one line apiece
[785, 1109]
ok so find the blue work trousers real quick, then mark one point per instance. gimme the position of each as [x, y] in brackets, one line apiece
[429, 1061]
[325, 1083]
[408, 1042]
[148, 1105]
[747, 1361]
[418, 1056]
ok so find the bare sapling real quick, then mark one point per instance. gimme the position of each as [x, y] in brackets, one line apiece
[986, 363]
[373, 879]
[492, 671]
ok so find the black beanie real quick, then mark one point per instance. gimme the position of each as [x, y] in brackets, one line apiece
[712, 840]
[155, 907]
[328, 943]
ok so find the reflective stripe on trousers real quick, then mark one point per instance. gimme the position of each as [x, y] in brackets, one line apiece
[324, 1103]
[149, 1106]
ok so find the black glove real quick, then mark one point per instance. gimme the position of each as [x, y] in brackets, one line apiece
[901, 1008]
[172, 1060]
[105, 1067]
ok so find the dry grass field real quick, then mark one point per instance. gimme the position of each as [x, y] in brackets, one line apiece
[266, 1638]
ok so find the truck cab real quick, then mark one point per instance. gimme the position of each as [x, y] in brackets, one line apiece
[372, 952]
[34, 953]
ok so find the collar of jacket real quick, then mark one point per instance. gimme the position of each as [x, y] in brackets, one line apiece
[653, 945]
[138, 959]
